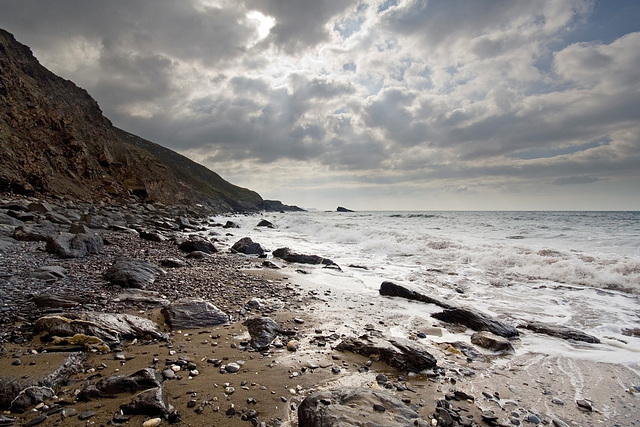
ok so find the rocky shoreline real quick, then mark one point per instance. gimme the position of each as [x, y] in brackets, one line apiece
[145, 314]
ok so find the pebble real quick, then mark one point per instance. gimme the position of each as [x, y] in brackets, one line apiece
[86, 415]
[292, 345]
[232, 367]
[584, 404]
[35, 421]
[335, 369]
[153, 422]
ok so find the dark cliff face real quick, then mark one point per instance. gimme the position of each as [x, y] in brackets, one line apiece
[54, 141]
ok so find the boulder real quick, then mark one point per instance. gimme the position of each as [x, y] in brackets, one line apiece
[265, 223]
[39, 207]
[491, 341]
[200, 245]
[262, 330]
[230, 224]
[193, 313]
[342, 209]
[248, 247]
[132, 273]
[173, 263]
[154, 401]
[67, 245]
[360, 407]
[560, 332]
[476, 321]
[393, 290]
[287, 255]
[112, 386]
[401, 354]
[31, 396]
[152, 236]
[38, 233]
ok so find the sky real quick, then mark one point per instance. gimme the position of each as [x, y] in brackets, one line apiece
[368, 104]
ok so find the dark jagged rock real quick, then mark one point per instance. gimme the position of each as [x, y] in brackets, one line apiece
[199, 245]
[173, 263]
[403, 355]
[265, 223]
[11, 387]
[154, 401]
[112, 386]
[31, 396]
[36, 233]
[193, 313]
[342, 209]
[560, 332]
[132, 273]
[248, 247]
[262, 330]
[356, 407]
[287, 255]
[67, 245]
[491, 341]
[152, 236]
[393, 290]
[476, 321]
[230, 224]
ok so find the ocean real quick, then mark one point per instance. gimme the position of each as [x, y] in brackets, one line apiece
[576, 269]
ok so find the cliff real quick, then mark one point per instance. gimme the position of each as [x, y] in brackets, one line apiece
[55, 142]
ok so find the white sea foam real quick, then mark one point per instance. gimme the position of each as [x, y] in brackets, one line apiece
[579, 269]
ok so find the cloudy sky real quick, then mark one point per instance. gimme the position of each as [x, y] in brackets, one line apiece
[369, 104]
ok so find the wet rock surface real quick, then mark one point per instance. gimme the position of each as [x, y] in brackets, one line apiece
[561, 332]
[291, 256]
[476, 321]
[393, 290]
[403, 355]
[356, 407]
